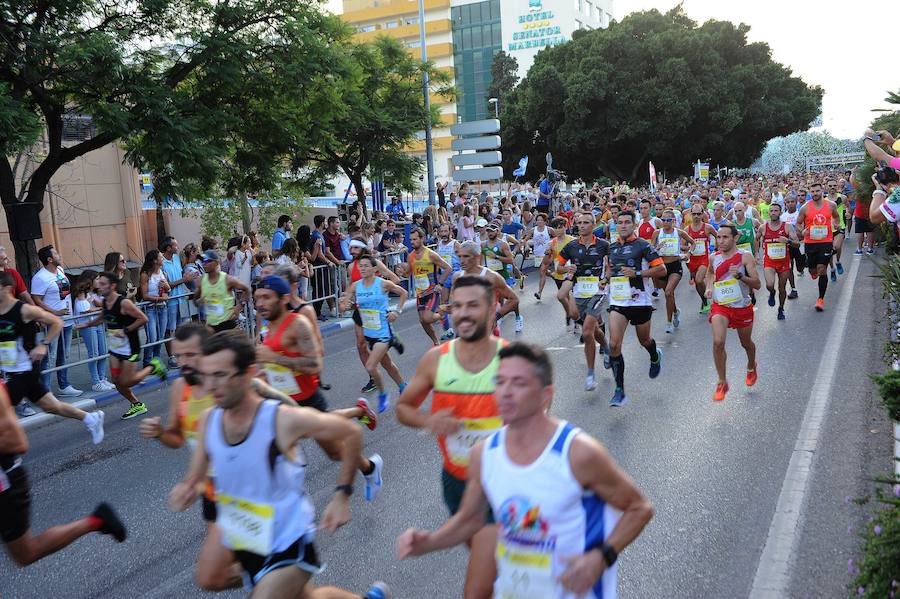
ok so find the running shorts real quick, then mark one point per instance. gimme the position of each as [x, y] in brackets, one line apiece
[25, 385]
[316, 401]
[818, 253]
[15, 505]
[863, 225]
[738, 318]
[698, 261]
[673, 268]
[558, 282]
[782, 265]
[134, 345]
[300, 553]
[636, 315]
[371, 341]
[453, 489]
[428, 303]
[590, 306]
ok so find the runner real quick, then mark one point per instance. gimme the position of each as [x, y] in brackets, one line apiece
[369, 296]
[15, 501]
[700, 231]
[123, 320]
[775, 236]
[463, 411]
[20, 357]
[728, 284]
[217, 568]
[448, 249]
[630, 263]
[548, 264]
[554, 490]
[263, 510]
[216, 294]
[423, 264]
[582, 260]
[668, 243]
[499, 258]
[798, 260]
[506, 298]
[647, 223]
[816, 222]
[839, 232]
[538, 240]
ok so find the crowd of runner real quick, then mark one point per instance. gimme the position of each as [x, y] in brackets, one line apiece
[543, 508]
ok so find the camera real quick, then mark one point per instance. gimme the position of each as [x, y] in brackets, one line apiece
[886, 175]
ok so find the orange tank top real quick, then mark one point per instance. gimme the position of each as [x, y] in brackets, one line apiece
[818, 224]
[299, 387]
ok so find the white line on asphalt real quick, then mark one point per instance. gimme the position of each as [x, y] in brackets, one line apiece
[773, 575]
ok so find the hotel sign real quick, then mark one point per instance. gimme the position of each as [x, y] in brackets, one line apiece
[537, 29]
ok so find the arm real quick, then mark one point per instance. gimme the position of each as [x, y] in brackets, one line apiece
[385, 273]
[877, 208]
[509, 297]
[436, 259]
[657, 268]
[12, 435]
[397, 290]
[416, 392]
[346, 300]
[306, 343]
[506, 256]
[801, 221]
[752, 276]
[688, 240]
[170, 435]
[54, 326]
[874, 150]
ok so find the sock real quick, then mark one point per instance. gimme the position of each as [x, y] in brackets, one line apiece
[590, 372]
[95, 522]
[654, 355]
[370, 470]
[618, 368]
[823, 285]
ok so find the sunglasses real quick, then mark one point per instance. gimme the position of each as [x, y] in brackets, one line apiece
[667, 220]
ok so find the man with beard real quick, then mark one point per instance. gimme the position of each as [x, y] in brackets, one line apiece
[448, 249]
[460, 373]
[499, 258]
[816, 222]
[798, 260]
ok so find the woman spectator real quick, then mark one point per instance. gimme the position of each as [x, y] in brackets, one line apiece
[466, 225]
[290, 252]
[254, 242]
[527, 217]
[87, 304]
[242, 262]
[313, 254]
[191, 260]
[116, 263]
[155, 291]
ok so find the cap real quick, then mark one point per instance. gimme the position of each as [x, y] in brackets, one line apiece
[481, 223]
[356, 243]
[276, 284]
[209, 256]
[493, 226]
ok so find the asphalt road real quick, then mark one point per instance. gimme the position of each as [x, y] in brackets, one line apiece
[713, 471]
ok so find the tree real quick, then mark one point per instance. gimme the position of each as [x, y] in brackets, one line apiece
[889, 120]
[504, 77]
[381, 118]
[68, 61]
[653, 86]
[789, 153]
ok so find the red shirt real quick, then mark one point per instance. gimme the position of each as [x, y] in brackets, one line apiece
[862, 208]
[334, 243]
[18, 282]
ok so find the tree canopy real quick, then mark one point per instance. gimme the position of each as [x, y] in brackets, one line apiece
[789, 153]
[653, 87]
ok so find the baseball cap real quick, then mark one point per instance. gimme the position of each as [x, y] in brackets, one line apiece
[209, 256]
[276, 284]
[356, 243]
[481, 223]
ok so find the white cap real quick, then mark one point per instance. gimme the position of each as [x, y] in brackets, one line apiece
[481, 223]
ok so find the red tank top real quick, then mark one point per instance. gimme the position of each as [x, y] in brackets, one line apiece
[700, 237]
[770, 235]
[645, 230]
[307, 383]
[355, 275]
[818, 224]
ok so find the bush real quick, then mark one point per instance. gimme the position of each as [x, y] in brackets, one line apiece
[889, 389]
[878, 572]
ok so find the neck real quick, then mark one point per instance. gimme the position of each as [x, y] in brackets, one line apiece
[51, 267]
[168, 255]
[276, 322]
[526, 431]
[245, 409]
[6, 302]
[111, 298]
[485, 344]
[369, 280]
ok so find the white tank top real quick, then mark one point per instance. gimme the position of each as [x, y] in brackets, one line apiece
[541, 240]
[545, 517]
[728, 291]
[260, 495]
[153, 283]
[448, 252]
[668, 244]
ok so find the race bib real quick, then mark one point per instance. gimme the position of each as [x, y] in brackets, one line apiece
[745, 247]
[215, 308]
[586, 287]
[776, 251]
[247, 526]
[371, 319]
[699, 248]
[818, 232]
[494, 264]
[727, 292]
[9, 353]
[447, 258]
[669, 247]
[471, 431]
[538, 260]
[282, 378]
[523, 571]
[620, 289]
[118, 342]
[422, 282]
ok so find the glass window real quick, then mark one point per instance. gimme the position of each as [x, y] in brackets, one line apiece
[366, 28]
[391, 24]
[457, 37]
[411, 20]
[467, 38]
[414, 44]
[581, 6]
[497, 39]
[465, 14]
[476, 12]
[495, 9]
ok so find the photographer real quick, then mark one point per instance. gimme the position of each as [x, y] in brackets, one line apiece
[885, 205]
[545, 194]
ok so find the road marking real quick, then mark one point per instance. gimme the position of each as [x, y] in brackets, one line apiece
[773, 575]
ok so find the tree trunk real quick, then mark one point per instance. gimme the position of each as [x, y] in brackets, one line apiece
[634, 171]
[160, 222]
[356, 179]
[246, 216]
[27, 262]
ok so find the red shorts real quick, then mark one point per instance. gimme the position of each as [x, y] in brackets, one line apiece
[698, 261]
[738, 318]
[782, 265]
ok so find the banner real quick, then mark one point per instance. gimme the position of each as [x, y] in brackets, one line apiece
[523, 164]
[652, 178]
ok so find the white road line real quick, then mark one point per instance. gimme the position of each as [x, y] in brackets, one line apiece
[773, 575]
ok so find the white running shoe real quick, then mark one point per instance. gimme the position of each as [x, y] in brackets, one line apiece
[373, 480]
[520, 323]
[669, 327]
[109, 386]
[589, 383]
[70, 391]
[94, 423]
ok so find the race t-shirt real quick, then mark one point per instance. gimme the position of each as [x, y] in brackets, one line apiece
[588, 261]
[638, 254]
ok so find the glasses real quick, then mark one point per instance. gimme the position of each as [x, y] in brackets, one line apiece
[667, 220]
[216, 379]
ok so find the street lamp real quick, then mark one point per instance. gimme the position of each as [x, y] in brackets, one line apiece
[496, 104]
[429, 152]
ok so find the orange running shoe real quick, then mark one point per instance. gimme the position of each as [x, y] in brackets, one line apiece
[751, 377]
[820, 305]
[721, 390]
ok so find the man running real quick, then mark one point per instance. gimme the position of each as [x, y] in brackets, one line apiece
[668, 242]
[700, 231]
[816, 223]
[423, 264]
[463, 411]
[507, 300]
[263, 510]
[798, 260]
[732, 275]
[775, 237]
[216, 294]
[839, 232]
[582, 260]
[499, 258]
[448, 249]
[20, 357]
[538, 240]
[369, 296]
[123, 320]
[548, 265]
[545, 481]
[630, 264]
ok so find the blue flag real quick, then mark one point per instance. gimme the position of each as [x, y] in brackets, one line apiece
[523, 164]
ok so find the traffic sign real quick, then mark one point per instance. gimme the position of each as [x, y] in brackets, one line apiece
[478, 158]
[487, 142]
[476, 127]
[488, 173]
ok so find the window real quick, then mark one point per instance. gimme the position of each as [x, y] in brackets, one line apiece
[366, 28]
[581, 6]
[414, 44]
[391, 24]
[411, 20]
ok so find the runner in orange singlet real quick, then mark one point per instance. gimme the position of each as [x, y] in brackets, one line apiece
[816, 222]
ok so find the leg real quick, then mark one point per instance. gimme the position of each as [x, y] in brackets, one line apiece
[27, 549]
[62, 356]
[391, 368]
[379, 351]
[482, 570]
[217, 569]
[646, 340]
[744, 335]
[671, 284]
[90, 337]
[700, 282]
[719, 332]
[588, 331]
[769, 274]
[284, 583]
[151, 330]
[617, 325]
[362, 348]
[564, 295]
[782, 286]
[426, 319]
[333, 448]
[50, 404]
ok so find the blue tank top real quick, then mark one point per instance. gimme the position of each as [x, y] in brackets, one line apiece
[372, 303]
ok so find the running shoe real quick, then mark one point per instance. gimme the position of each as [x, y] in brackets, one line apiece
[159, 369]
[655, 294]
[669, 327]
[99, 387]
[781, 314]
[619, 398]
[870, 251]
[136, 409]
[520, 323]
[858, 253]
[109, 522]
[397, 344]
[833, 276]
[751, 377]
[589, 383]
[368, 418]
[840, 268]
[772, 298]
[656, 367]
[94, 423]
[23, 410]
[676, 318]
[324, 386]
[704, 309]
[368, 387]
[793, 294]
[373, 480]
[820, 305]
[383, 402]
[109, 386]
[379, 590]
[721, 390]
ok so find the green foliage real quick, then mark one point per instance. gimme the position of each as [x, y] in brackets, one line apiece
[504, 77]
[878, 573]
[784, 154]
[889, 389]
[889, 121]
[653, 86]
[221, 218]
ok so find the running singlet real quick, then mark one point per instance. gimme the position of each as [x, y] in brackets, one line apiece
[588, 261]
[13, 355]
[422, 269]
[121, 343]
[372, 303]
[637, 254]
[668, 244]
[645, 230]
[818, 224]
[492, 261]
[355, 275]
[448, 253]
[299, 387]
[545, 518]
[701, 241]
[790, 218]
[541, 241]
[190, 408]
[556, 246]
[728, 291]
[746, 240]
[471, 397]
[261, 503]
[218, 301]
[776, 251]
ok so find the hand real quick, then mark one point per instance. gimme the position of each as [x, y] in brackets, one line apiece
[442, 422]
[886, 136]
[337, 512]
[264, 354]
[62, 312]
[709, 293]
[570, 269]
[236, 312]
[192, 275]
[392, 316]
[150, 428]
[181, 496]
[582, 572]
[733, 270]
[411, 543]
[38, 353]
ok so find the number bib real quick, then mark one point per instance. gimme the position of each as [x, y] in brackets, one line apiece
[494, 264]
[699, 248]
[371, 319]
[621, 289]
[447, 258]
[247, 526]
[776, 251]
[422, 282]
[669, 247]
[727, 292]
[9, 353]
[215, 307]
[118, 342]
[282, 378]
[818, 232]
[471, 431]
[524, 572]
[745, 246]
[586, 287]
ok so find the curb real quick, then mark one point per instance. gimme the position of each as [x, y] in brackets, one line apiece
[43, 418]
[109, 397]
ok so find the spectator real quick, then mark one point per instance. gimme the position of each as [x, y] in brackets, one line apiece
[333, 237]
[281, 233]
[52, 291]
[254, 242]
[545, 189]
[208, 243]
[465, 227]
[154, 291]
[258, 260]
[190, 257]
[322, 281]
[116, 263]
[440, 191]
[19, 289]
[242, 262]
[87, 302]
[178, 308]
[395, 208]
[290, 252]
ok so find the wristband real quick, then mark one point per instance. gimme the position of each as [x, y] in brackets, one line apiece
[346, 489]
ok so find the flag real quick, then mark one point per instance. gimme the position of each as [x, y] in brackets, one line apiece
[652, 178]
[523, 164]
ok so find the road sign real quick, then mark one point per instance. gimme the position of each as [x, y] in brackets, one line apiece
[477, 159]
[488, 173]
[487, 142]
[476, 127]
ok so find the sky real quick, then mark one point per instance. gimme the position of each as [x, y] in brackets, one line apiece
[824, 43]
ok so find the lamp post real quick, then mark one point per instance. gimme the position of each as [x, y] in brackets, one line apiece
[429, 152]
[496, 104]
